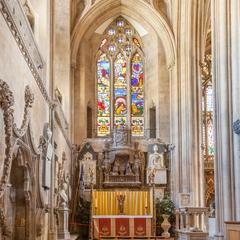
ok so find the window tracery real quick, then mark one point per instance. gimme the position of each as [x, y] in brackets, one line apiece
[120, 80]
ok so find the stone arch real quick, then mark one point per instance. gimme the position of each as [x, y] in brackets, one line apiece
[21, 193]
[101, 11]
[85, 31]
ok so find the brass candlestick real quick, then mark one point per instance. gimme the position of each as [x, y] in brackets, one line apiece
[146, 210]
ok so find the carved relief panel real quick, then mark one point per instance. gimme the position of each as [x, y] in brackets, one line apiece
[88, 169]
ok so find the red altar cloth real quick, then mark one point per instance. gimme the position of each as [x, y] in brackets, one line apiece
[132, 226]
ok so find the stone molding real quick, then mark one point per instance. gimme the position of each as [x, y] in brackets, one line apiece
[61, 121]
[22, 33]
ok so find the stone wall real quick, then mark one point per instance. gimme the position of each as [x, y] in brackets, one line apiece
[37, 60]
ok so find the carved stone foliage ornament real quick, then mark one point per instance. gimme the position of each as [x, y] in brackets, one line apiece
[6, 104]
[121, 137]
[29, 99]
[5, 230]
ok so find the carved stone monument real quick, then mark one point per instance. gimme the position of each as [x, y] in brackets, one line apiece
[122, 163]
[89, 168]
[156, 164]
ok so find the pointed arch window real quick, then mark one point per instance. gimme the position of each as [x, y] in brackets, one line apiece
[120, 80]
[208, 140]
[207, 110]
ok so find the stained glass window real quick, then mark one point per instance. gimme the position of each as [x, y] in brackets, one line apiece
[137, 98]
[207, 110]
[208, 141]
[120, 92]
[120, 78]
[103, 95]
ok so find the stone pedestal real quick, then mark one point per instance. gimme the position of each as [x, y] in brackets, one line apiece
[63, 233]
[160, 176]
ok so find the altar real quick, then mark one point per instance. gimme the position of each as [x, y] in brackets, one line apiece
[122, 213]
[124, 176]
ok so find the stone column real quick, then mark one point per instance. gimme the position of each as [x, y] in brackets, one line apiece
[225, 41]
[187, 165]
[187, 220]
[236, 128]
[177, 219]
[235, 62]
[181, 220]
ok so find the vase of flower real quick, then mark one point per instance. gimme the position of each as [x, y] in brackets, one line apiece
[165, 226]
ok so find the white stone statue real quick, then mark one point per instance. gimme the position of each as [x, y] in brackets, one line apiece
[156, 159]
[48, 155]
[63, 211]
[63, 195]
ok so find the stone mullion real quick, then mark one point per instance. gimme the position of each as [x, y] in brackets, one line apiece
[129, 92]
[112, 109]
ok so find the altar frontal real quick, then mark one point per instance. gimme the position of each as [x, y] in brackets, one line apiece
[122, 213]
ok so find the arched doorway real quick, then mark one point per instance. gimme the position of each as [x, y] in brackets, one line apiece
[20, 198]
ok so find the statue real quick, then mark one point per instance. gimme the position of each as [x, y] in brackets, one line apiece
[63, 195]
[48, 155]
[122, 168]
[137, 164]
[156, 159]
[129, 170]
[115, 170]
[151, 176]
[121, 199]
[63, 211]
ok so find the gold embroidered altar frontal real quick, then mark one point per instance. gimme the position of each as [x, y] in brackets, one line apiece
[135, 203]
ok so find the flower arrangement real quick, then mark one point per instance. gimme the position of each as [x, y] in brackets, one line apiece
[165, 207]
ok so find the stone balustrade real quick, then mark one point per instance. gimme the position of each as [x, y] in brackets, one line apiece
[192, 223]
